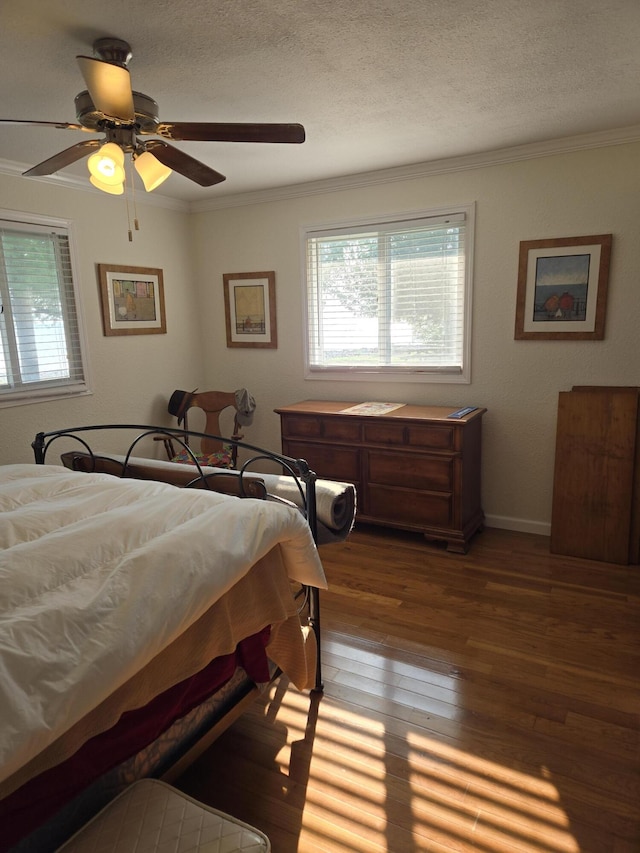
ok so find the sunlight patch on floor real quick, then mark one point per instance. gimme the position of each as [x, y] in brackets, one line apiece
[360, 797]
[518, 810]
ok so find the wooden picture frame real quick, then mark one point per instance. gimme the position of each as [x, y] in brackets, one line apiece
[562, 288]
[132, 300]
[250, 309]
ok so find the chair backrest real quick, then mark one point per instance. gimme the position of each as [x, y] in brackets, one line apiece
[213, 403]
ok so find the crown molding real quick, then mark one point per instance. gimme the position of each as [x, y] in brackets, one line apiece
[13, 169]
[497, 157]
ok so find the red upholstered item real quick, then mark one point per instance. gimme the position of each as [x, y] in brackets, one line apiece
[40, 798]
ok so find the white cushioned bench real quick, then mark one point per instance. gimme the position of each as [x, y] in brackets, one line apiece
[152, 817]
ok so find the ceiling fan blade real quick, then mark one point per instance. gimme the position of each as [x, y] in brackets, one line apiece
[109, 86]
[184, 164]
[61, 125]
[224, 132]
[64, 158]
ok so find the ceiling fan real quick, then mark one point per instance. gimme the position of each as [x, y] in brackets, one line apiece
[110, 106]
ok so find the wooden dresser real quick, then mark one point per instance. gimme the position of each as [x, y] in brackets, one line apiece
[413, 468]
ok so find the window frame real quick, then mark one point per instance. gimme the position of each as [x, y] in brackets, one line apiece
[48, 390]
[396, 373]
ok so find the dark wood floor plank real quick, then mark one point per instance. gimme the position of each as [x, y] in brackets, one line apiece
[497, 742]
[485, 702]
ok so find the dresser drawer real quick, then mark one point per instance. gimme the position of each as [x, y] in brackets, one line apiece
[338, 429]
[327, 429]
[407, 434]
[409, 470]
[304, 427]
[330, 462]
[432, 436]
[405, 507]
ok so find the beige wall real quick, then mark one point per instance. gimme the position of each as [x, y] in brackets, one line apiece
[586, 192]
[131, 376]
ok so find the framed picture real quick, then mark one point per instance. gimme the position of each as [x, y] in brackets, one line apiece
[250, 309]
[562, 288]
[132, 300]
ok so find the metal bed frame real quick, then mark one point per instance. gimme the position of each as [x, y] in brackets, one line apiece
[244, 478]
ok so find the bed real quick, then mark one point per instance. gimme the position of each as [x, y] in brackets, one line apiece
[144, 604]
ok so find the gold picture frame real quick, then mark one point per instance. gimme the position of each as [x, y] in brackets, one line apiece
[132, 300]
[562, 288]
[250, 309]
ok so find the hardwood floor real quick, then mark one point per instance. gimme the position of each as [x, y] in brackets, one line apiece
[486, 702]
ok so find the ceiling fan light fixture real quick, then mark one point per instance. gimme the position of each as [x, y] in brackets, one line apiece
[110, 106]
[114, 189]
[107, 164]
[151, 170]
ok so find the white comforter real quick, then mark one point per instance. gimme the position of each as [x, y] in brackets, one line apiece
[98, 575]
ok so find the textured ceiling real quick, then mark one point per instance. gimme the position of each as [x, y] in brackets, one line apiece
[376, 83]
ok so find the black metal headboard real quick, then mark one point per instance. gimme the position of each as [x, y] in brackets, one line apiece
[245, 476]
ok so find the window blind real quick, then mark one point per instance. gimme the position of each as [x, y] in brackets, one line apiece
[389, 297]
[39, 324]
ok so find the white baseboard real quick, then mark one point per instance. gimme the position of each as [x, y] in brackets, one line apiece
[522, 525]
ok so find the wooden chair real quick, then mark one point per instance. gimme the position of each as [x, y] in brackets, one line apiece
[212, 451]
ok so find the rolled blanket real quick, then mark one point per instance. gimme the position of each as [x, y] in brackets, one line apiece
[335, 501]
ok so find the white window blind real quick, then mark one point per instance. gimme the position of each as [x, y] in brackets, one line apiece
[390, 297]
[41, 352]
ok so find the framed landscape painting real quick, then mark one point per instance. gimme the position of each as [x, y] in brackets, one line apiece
[250, 309]
[562, 288]
[132, 300]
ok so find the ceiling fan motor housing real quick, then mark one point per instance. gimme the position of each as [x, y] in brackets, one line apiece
[146, 114]
[114, 50]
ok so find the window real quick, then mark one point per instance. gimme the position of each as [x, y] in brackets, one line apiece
[40, 340]
[390, 297]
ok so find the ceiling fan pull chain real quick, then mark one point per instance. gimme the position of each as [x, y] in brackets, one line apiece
[135, 211]
[133, 196]
[126, 201]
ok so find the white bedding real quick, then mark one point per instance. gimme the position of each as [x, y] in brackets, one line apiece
[87, 559]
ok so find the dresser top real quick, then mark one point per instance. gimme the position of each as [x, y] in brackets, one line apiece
[404, 412]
